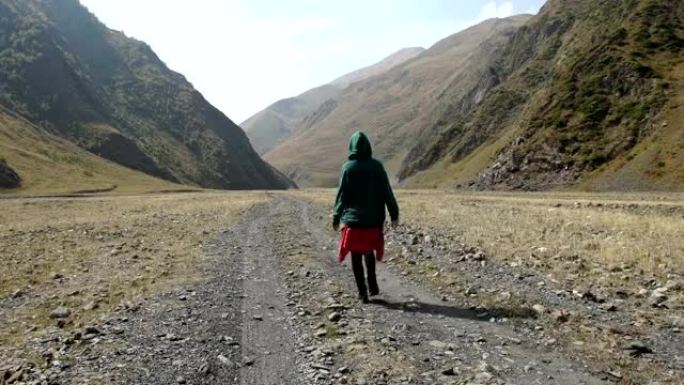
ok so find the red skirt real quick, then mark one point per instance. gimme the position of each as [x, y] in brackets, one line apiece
[357, 240]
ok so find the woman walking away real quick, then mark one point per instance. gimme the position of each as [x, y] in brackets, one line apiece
[363, 193]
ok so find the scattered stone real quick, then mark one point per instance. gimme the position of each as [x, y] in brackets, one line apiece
[657, 298]
[676, 321]
[637, 348]
[60, 312]
[204, 369]
[225, 361]
[615, 374]
[449, 372]
[587, 295]
[560, 315]
[92, 305]
[539, 309]
[483, 377]
[437, 344]
[320, 367]
[334, 316]
[93, 330]
[672, 285]
[415, 240]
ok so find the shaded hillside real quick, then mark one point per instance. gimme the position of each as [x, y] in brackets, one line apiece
[8, 177]
[580, 92]
[62, 69]
[269, 127]
[397, 107]
[47, 164]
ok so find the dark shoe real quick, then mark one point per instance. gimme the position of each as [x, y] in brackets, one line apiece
[364, 298]
[373, 293]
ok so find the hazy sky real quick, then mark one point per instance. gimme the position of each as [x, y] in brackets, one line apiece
[245, 54]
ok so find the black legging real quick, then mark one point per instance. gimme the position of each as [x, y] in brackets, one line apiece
[357, 266]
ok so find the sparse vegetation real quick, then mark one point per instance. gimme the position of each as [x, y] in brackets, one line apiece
[94, 255]
[596, 78]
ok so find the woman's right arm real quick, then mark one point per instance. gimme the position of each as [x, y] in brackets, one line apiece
[340, 200]
[391, 202]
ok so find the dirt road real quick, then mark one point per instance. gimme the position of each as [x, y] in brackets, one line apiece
[277, 308]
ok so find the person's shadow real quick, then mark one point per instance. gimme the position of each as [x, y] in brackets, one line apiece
[455, 312]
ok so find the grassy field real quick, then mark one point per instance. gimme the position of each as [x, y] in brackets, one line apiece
[97, 254]
[641, 230]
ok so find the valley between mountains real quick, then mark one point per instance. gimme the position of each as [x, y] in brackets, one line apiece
[244, 288]
[145, 238]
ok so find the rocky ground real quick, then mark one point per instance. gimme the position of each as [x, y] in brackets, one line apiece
[269, 304]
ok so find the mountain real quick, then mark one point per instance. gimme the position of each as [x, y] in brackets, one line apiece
[64, 71]
[396, 107]
[270, 126]
[588, 94]
[385, 64]
[37, 162]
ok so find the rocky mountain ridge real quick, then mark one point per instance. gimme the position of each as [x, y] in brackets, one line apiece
[60, 68]
[579, 87]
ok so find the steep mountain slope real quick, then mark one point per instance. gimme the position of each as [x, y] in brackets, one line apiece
[587, 93]
[42, 163]
[272, 125]
[61, 69]
[397, 107]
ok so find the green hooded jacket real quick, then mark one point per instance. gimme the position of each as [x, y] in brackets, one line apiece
[364, 188]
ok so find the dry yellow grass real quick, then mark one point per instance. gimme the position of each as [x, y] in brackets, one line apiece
[104, 251]
[637, 234]
[637, 230]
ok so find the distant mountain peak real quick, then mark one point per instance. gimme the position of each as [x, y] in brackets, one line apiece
[385, 64]
[269, 127]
